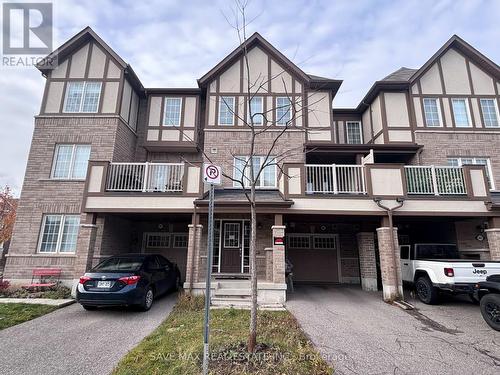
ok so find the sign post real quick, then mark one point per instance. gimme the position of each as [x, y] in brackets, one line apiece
[211, 176]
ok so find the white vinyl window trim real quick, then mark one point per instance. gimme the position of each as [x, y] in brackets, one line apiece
[467, 111]
[172, 111]
[226, 110]
[428, 121]
[483, 104]
[267, 178]
[83, 96]
[72, 162]
[256, 104]
[59, 235]
[459, 161]
[354, 138]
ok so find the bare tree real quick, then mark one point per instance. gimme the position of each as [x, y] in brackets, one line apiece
[8, 206]
[248, 171]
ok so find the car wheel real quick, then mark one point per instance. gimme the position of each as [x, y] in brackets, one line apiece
[89, 308]
[147, 301]
[490, 310]
[426, 292]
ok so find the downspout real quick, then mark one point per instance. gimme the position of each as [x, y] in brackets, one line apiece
[390, 211]
[195, 229]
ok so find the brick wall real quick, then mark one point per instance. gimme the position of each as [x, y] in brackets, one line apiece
[439, 146]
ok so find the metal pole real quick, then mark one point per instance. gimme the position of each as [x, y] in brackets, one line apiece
[210, 246]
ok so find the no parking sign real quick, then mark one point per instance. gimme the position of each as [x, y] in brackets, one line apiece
[212, 174]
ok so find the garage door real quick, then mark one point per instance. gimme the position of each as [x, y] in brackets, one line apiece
[314, 257]
[172, 246]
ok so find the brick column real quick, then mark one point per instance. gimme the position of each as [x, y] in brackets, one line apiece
[269, 263]
[194, 243]
[391, 289]
[85, 244]
[278, 255]
[367, 262]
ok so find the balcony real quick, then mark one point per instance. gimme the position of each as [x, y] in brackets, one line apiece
[432, 180]
[335, 179]
[141, 187]
[145, 177]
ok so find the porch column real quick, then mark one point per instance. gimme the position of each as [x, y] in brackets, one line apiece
[391, 288]
[367, 262]
[278, 255]
[85, 244]
[194, 243]
[493, 234]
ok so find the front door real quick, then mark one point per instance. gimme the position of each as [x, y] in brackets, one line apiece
[231, 247]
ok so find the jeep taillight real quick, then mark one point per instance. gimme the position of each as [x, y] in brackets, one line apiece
[449, 272]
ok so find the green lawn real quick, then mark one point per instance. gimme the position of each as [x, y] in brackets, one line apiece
[176, 346]
[15, 313]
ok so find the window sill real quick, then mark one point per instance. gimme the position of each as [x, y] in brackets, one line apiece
[61, 180]
[37, 255]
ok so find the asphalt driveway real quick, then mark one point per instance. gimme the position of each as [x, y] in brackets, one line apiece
[360, 334]
[74, 341]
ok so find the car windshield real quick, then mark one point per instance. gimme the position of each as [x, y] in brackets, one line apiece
[117, 264]
[437, 251]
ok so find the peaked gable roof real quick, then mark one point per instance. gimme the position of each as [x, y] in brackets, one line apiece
[82, 38]
[466, 49]
[258, 40]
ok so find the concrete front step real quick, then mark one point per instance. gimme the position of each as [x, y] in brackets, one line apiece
[234, 284]
[232, 292]
[242, 303]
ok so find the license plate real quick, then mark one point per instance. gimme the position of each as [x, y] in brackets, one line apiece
[104, 284]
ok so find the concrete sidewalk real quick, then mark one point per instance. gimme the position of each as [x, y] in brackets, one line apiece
[360, 334]
[74, 341]
[40, 301]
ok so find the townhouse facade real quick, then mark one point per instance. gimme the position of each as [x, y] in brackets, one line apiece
[115, 167]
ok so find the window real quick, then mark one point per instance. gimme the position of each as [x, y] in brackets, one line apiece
[257, 110]
[490, 113]
[461, 113]
[432, 112]
[181, 240]
[157, 240]
[241, 171]
[226, 110]
[172, 115]
[70, 162]
[59, 233]
[82, 97]
[459, 161]
[283, 110]
[353, 129]
[232, 235]
[324, 242]
[298, 241]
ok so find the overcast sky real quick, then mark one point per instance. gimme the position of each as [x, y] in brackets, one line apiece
[172, 43]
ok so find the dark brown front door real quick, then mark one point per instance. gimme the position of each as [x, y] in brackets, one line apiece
[231, 247]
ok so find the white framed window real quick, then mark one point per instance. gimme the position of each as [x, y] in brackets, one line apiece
[157, 240]
[59, 234]
[489, 108]
[460, 161]
[226, 110]
[461, 112]
[172, 112]
[432, 112]
[267, 178]
[325, 241]
[283, 110]
[298, 241]
[257, 110]
[82, 97]
[180, 240]
[70, 162]
[354, 132]
[232, 235]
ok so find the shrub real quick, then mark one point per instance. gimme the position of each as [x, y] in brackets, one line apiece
[4, 285]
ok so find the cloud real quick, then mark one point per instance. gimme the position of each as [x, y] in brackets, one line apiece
[172, 43]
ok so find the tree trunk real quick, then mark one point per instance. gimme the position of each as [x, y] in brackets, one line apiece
[252, 339]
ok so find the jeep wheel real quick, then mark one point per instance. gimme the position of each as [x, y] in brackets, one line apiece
[426, 292]
[490, 310]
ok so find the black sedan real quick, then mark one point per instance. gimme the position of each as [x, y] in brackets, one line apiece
[127, 280]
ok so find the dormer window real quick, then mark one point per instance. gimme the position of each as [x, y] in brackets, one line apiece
[82, 97]
[172, 115]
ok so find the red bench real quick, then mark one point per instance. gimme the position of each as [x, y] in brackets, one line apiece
[42, 274]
